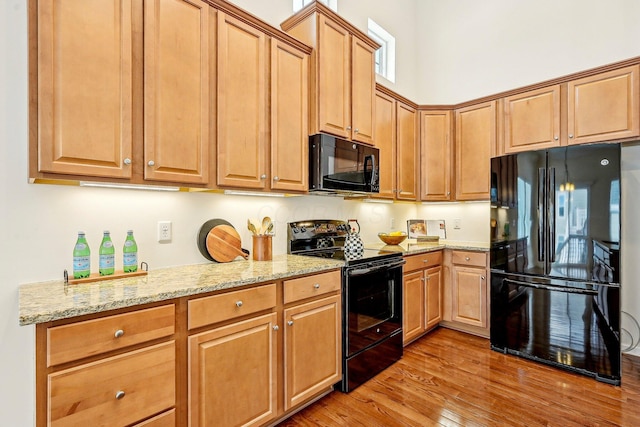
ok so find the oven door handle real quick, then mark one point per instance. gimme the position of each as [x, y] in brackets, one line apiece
[362, 271]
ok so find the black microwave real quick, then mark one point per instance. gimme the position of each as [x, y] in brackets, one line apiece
[336, 166]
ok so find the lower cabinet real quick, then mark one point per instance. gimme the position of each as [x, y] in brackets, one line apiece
[467, 292]
[422, 294]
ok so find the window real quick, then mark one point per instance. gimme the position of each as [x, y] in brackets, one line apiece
[385, 59]
[299, 4]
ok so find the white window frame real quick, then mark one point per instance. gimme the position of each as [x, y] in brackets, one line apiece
[299, 4]
[387, 51]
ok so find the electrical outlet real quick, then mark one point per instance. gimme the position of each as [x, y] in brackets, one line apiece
[392, 224]
[164, 231]
[457, 224]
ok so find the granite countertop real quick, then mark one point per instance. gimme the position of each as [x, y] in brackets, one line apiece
[411, 247]
[47, 301]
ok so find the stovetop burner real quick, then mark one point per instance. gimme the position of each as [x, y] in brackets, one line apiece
[325, 239]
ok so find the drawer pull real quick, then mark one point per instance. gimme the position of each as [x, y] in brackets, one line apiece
[238, 304]
[290, 323]
[119, 394]
[276, 327]
[467, 258]
[425, 260]
[119, 333]
[316, 286]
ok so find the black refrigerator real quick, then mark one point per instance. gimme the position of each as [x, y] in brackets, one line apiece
[555, 258]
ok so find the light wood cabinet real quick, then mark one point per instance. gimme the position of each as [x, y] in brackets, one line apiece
[604, 107]
[408, 157]
[312, 349]
[289, 118]
[242, 104]
[436, 155]
[177, 72]
[475, 135]
[386, 142]
[532, 120]
[88, 102]
[466, 292]
[84, 88]
[342, 78]
[422, 294]
[116, 370]
[232, 371]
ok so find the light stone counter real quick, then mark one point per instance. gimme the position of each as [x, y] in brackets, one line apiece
[411, 247]
[47, 301]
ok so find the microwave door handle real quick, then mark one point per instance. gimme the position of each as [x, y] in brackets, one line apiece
[374, 169]
[541, 194]
[552, 214]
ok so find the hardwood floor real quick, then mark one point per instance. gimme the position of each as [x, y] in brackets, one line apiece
[448, 378]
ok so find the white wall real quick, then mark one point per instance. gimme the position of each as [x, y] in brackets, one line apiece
[471, 48]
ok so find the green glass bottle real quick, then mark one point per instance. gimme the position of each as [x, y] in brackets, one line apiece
[107, 255]
[130, 254]
[81, 257]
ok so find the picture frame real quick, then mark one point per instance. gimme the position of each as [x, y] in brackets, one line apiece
[436, 227]
[416, 228]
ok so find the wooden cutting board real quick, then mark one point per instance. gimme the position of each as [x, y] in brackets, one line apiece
[224, 244]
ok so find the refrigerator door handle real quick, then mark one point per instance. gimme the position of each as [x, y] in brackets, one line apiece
[551, 214]
[542, 174]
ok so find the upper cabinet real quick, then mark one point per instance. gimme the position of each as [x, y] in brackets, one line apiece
[386, 143]
[408, 157]
[342, 80]
[600, 107]
[436, 155]
[84, 88]
[604, 107]
[475, 135]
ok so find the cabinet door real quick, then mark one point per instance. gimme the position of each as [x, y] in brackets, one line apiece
[475, 134]
[433, 311]
[532, 120]
[289, 118]
[334, 78]
[385, 141]
[408, 157]
[176, 91]
[84, 87]
[413, 308]
[469, 289]
[363, 89]
[435, 155]
[242, 105]
[232, 374]
[312, 349]
[605, 106]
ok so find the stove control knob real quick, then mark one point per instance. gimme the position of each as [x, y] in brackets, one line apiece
[303, 229]
[294, 230]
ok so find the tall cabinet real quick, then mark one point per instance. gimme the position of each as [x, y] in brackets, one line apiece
[436, 155]
[342, 80]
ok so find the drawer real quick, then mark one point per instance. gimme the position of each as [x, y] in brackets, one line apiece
[473, 259]
[311, 286]
[166, 419]
[116, 391]
[217, 308]
[421, 261]
[82, 339]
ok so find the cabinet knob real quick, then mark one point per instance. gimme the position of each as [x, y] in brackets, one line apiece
[316, 286]
[276, 178]
[570, 135]
[290, 323]
[127, 161]
[263, 176]
[151, 163]
[238, 303]
[276, 327]
[348, 127]
[556, 138]
[467, 258]
[119, 394]
[119, 333]
[481, 277]
[357, 130]
[425, 260]
[448, 193]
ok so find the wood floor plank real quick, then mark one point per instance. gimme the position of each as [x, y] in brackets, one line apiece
[452, 379]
